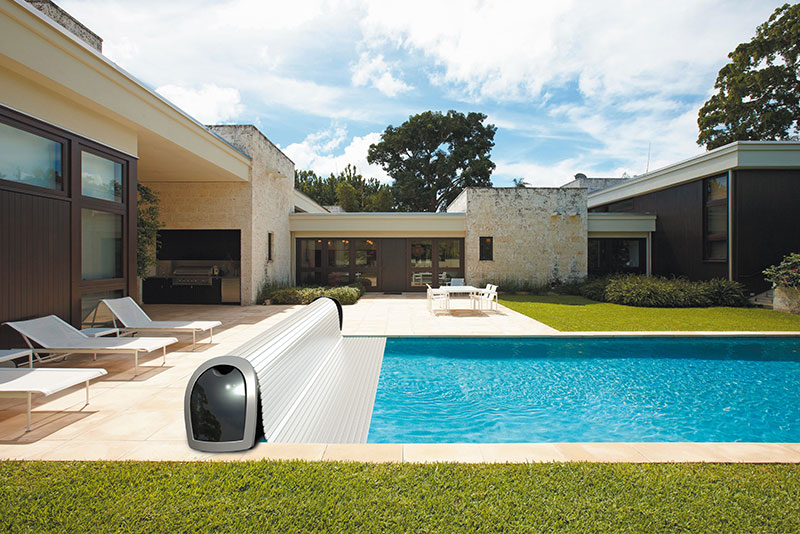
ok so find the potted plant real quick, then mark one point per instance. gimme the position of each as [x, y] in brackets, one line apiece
[785, 278]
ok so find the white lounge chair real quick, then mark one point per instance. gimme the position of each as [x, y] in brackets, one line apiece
[60, 338]
[456, 281]
[133, 318]
[25, 382]
[437, 295]
[486, 296]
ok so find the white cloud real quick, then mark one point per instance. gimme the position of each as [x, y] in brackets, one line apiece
[376, 72]
[316, 152]
[509, 50]
[209, 104]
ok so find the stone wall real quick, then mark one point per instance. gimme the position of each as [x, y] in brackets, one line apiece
[539, 234]
[68, 22]
[271, 199]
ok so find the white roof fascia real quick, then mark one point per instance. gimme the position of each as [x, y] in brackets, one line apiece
[738, 155]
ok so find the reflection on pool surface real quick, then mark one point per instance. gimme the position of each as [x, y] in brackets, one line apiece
[508, 390]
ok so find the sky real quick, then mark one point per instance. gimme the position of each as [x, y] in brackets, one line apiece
[604, 88]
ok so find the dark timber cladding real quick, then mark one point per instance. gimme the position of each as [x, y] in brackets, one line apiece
[677, 243]
[764, 225]
[766, 222]
[47, 211]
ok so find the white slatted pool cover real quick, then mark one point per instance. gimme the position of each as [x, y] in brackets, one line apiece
[316, 386]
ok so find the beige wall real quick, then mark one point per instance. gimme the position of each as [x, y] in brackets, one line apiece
[38, 100]
[539, 233]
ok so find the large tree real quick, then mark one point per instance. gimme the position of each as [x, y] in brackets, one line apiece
[433, 156]
[348, 189]
[758, 92]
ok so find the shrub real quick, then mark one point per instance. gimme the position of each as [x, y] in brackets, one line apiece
[786, 273]
[724, 292]
[267, 289]
[594, 289]
[306, 295]
[660, 292]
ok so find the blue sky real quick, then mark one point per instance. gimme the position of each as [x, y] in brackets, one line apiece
[572, 86]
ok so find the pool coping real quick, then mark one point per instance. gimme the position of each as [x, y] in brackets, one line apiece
[471, 453]
[604, 334]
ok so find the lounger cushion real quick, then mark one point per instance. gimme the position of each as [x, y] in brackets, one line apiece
[45, 381]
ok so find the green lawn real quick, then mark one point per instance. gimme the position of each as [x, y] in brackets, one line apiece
[352, 497]
[573, 313]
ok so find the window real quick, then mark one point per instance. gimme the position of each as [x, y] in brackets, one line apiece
[30, 159]
[270, 244]
[101, 178]
[101, 245]
[487, 249]
[715, 219]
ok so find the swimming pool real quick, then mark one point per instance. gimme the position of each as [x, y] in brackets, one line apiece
[508, 390]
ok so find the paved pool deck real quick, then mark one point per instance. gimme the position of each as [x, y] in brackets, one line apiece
[141, 418]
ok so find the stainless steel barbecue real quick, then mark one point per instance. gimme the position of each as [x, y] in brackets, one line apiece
[192, 276]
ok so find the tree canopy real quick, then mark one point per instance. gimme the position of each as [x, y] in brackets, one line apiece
[758, 92]
[348, 189]
[433, 156]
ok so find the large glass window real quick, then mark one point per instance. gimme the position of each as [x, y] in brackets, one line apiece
[310, 253]
[366, 253]
[101, 245]
[30, 159]
[612, 255]
[421, 254]
[101, 178]
[338, 253]
[715, 218]
[449, 253]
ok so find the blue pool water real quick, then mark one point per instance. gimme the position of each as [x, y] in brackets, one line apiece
[567, 390]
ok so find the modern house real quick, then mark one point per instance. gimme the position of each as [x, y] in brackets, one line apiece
[78, 135]
[728, 213]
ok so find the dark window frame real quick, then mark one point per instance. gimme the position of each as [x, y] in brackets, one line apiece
[351, 268]
[43, 130]
[707, 240]
[72, 146]
[434, 269]
[482, 252]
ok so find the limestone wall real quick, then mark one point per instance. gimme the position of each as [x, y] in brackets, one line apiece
[271, 200]
[540, 234]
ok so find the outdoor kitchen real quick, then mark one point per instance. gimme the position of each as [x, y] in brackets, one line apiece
[196, 267]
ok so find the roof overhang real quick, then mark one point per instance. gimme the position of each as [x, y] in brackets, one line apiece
[378, 224]
[620, 223]
[306, 204]
[738, 155]
[172, 146]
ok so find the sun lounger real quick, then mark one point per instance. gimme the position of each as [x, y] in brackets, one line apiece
[132, 317]
[57, 337]
[25, 382]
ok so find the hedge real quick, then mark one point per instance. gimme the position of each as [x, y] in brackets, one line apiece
[661, 292]
[305, 295]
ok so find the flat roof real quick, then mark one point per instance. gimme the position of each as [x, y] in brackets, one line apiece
[737, 155]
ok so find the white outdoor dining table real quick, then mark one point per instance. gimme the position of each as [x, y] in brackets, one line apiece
[458, 290]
